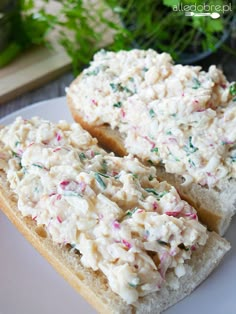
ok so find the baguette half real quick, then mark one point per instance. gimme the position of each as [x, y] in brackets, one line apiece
[216, 206]
[93, 285]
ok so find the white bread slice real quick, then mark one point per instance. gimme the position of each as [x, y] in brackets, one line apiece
[93, 285]
[215, 206]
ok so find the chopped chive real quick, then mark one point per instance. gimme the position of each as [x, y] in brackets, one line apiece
[131, 212]
[162, 242]
[103, 174]
[14, 154]
[183, 247]
[152, 113]
[196, 83]
[173, 115]
[150, 162]
[135, 175]
[71, 193]
[158, 195]
[135, 283]
[99, 180]
[117, 105]
[104, 166]
[190, 148]
[82, 156]
[150, 178]
[93, 72]
[191, 162]
[118, 87]
[155, 149]
[37, 165]
[232, 89]
[233, 158]
[168, 133]
[17, 143]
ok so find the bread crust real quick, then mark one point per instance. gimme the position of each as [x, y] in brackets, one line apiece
[93, 285]
[211, 204]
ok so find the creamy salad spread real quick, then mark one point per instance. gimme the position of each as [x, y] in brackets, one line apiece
[113, 210]
[178, 115]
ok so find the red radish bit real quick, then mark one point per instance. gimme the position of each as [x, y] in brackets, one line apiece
[126, 244]
[58, 137]
[155, 206]
[82, 186]
[59, 219]
[56, 149]
[64, 183]
[191, 215]
[94, 102]
[123, 113]
[34, 218]
[116, 224]
[174, 214]
[150, 141]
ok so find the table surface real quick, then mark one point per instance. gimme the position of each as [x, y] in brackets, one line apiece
[57, 87]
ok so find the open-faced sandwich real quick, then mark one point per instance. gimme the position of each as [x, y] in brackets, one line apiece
[177, 117]
[125, 241]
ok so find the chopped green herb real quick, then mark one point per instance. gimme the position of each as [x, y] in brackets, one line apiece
[168, 133]
[37, 165]
[155, 149]
[17, 143]
[183, 247]
[117, 105]
[152, 113]
[97, 153]
[14, 154]
[100, 180]
[173, 156]
[158, 195]
[150, 178]
[82, 156]
[93, 72]
[71, 193]
[190, 148]
[196, 83]
[162, 242]
[118, 87]
[150, 162]
[145, 69]
[131, 212]
[232, 90]
[103, 175]
[135, 175]
[117, 176]
[173, 115]
[233, 158]
[191, 162]
[234, 99]
[104, 166]
[135, 282]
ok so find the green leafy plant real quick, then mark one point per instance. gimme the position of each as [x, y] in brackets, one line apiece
[141, 24]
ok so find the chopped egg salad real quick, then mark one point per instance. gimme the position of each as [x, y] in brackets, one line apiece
[125, 223]
[175, 115]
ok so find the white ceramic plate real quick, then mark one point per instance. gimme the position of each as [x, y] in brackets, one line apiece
[29, 285]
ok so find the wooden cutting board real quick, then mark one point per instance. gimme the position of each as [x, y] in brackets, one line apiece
[32, 69]
[41, 64]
